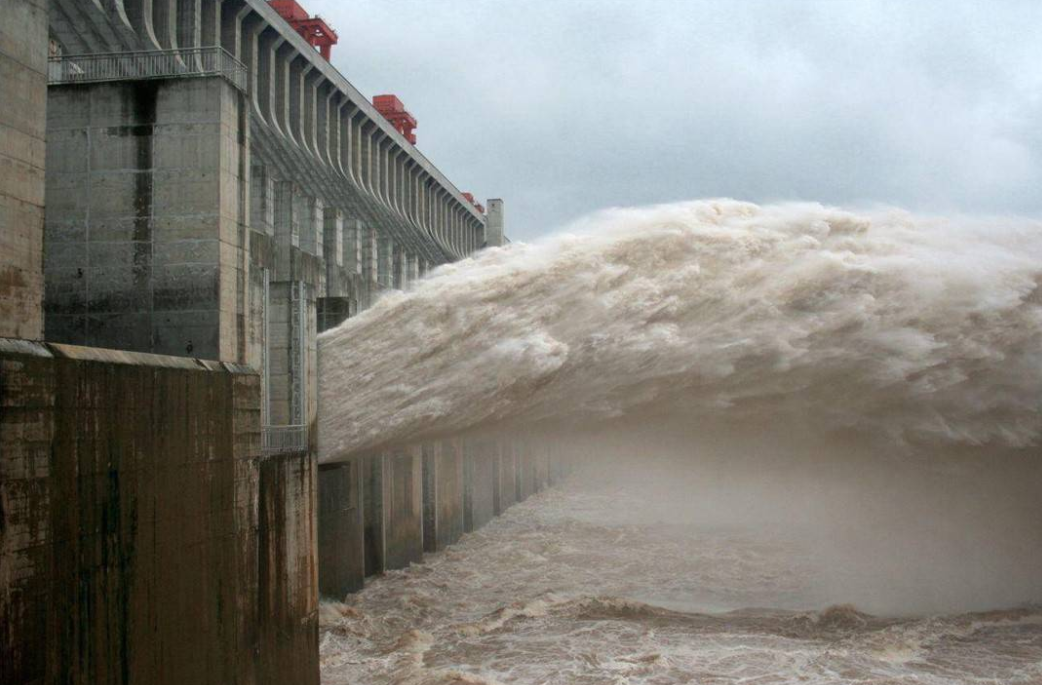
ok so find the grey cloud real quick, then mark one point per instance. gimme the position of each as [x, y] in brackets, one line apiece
[562, 108]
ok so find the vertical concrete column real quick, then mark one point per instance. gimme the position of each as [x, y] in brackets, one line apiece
[376, 176]
[370, 256]
[347, 145]
[399, 276]
[265, 94]
[210, 24]
[443, 482]
[262, 200]
[480, 482]
[230, 14]
[507, 477]
[309, 114]
[23, 94]
[403, 507]
[189, 23]
[333, 220]
[363, 154]
[312, 239]
[354, 232]
[286, 644]
[341, 529]
[383, 170]
[164, 21]
[385, 264]
[373, 515]
[287, 228]
[494, 231]
[325, 96]
[139, 14]
[413, 273]
[285, 55]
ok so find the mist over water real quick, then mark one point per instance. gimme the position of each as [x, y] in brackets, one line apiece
[776, 410]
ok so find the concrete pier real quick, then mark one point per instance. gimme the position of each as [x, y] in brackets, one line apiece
[480, 469]
[341, 544]
[403, 507]
[443, 488]
[23, 96]
[145, 539]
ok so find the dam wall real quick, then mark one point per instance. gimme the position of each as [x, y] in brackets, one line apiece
[23, 101]
[216, 195]
[145, 538]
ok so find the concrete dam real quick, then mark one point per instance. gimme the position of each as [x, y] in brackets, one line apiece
[281, 403]
[189, 194]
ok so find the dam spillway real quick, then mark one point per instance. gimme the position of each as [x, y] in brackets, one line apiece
[256, 365]
[212, 194]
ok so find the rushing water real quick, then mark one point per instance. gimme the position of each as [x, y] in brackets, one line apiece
[585, 584]
[827, 423]
[916, 328]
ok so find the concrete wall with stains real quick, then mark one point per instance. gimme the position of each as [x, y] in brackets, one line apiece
[23, 101]
[145, 243]
[341, 562]
[143, 539]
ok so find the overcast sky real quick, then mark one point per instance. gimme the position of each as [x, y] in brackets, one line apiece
[562, 107]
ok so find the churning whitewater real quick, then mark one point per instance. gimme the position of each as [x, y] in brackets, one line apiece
[921, 330]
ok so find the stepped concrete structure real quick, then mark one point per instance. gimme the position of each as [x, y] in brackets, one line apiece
[189, 194]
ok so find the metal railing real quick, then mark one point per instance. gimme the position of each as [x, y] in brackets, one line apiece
[281, 439]
[154, 64]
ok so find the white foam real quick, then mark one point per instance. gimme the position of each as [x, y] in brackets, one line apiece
[909, 327]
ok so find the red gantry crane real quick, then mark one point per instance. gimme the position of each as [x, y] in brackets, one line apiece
[314, 29]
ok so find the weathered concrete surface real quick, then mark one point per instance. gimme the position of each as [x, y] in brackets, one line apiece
[443, 481]
[403, 507]
[480, 468]
[23, 100]
[287, 583]
[372, 512]
[341, 546]
[392, 484]
[141, 539]
[145, 243]
[495, 235]
[506, 477]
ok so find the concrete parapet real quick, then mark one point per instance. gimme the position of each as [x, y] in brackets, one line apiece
[143, 538]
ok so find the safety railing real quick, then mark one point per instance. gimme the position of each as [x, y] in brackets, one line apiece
[281, 439]
[155, 64]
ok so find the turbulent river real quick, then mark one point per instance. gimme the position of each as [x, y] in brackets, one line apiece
[811, 449]
[586, 584]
